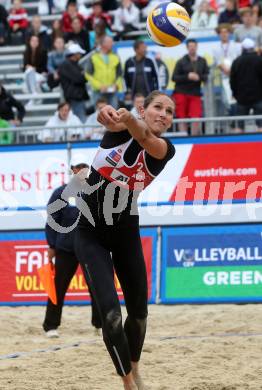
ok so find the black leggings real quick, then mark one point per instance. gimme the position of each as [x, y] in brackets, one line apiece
[65, 267]
[100, 250]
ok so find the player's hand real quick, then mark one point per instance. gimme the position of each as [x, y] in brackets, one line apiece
[108, 116]
[123, 115]
[50, 254]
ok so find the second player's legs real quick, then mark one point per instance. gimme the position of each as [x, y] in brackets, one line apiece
[65, 268]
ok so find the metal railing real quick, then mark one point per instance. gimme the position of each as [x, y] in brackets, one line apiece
[181, 128]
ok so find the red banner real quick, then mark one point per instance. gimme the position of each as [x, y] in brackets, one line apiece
[224, 171]
[19, 279]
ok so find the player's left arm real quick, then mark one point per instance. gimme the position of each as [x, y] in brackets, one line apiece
[205, 71]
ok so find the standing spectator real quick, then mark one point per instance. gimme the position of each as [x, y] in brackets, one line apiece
[35, 65]
[62, 117]
[163, 73]
[140, 74]
[138, 103]
[94, 129]
[7, 103]
[230, 14]
[68, 16]
[225, 52]
[248, 29]
[246, 82]
[126, 18]
[3, 25]
[204, 16]
[61, 246]
[79, 35]
[103, 71]
[38, 29]
[73, 81]
[18, 21]
[55, 58]
[56, 31]
[98, 15]
[190, 71]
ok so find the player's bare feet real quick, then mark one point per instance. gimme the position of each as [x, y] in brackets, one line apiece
[129, 383]
[137, 377]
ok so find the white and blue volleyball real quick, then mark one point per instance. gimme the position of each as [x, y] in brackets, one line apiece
[168, 24]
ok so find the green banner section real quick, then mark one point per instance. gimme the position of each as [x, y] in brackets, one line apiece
[215, 282]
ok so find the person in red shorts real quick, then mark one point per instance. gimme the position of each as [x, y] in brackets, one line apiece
[189, 73]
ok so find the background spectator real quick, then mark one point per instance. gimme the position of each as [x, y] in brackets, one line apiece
[94, 130]
[103, 71]
[163, 73]
[140, 72]
[97, 16]
[56, 31]
[126, 18]
[55, 58]
[96, 35]
[62, 117]
[256, 12]
[38, 29]
[79, 35]
[138, 102]
[73, 81]
[3, 25]
[230, 13]
[248, 29]
[18, 22]
[68, 16]
[190, 71]
[204, 16]
[7, 104]
[246, 82]
[35, 65]
[224, 54]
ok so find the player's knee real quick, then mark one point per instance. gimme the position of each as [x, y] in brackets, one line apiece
[113, 323]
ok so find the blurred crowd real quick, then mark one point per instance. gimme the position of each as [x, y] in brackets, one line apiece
[77, 56]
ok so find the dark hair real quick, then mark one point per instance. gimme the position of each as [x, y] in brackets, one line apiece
[33, 57]
[137, 43]
[191, 40]
[63, 104]
[152, 96]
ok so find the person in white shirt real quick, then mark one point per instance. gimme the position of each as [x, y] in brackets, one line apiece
[126, 18]
[138, 102]
[204, 17]
[225, 52]
[93, 129]
[62, 117]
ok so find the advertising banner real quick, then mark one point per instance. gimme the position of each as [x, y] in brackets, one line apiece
[213, 172]
[22, 253]
[212, 264]
[221, 172]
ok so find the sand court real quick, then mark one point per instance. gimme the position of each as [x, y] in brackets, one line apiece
[188, 347]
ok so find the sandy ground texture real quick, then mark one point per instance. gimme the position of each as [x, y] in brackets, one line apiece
[209, 347]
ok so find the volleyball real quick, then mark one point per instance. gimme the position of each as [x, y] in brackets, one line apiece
[168, 24]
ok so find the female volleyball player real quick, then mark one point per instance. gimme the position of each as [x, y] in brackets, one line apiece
[130, 155]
